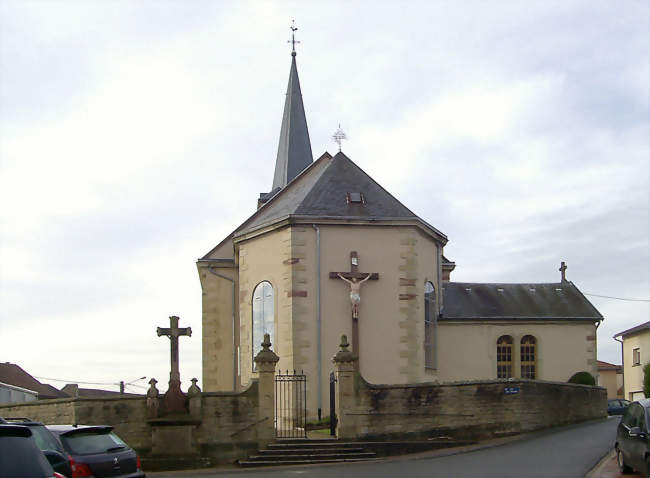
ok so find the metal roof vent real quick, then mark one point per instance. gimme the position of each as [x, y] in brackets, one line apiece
[355, 198]
[500, 289]
[558, 289]
[468, 289]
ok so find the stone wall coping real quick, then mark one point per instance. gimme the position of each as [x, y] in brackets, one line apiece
[51, 401]
[253, 383]
[503, 381]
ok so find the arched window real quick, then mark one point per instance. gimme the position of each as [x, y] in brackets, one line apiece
[429, 318]
[263, 316]
[504, 356]
[528, 357]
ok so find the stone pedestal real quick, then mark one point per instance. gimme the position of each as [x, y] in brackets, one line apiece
[345, 364]
[266, 361]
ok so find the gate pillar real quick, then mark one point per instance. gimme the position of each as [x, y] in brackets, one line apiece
[345, 368]
[266, 360]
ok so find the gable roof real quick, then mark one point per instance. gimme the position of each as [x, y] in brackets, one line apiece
[321, 191]
[12, 374]
[554, 301]
[604, 366]
[634, 330]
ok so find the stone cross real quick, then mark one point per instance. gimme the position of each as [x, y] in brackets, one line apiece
[174, 398]
[355, 278]
[563, 269]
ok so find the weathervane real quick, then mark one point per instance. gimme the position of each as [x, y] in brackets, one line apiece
[339, 136]
[293, 40]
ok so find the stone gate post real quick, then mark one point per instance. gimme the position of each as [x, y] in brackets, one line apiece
[266, 360]
[345, 368]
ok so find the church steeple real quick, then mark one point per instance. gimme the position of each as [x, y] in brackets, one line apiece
[294, 148]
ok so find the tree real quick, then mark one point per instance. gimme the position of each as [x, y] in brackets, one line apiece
[583, 378]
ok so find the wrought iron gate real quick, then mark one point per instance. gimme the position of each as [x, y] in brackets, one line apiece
[290, 405]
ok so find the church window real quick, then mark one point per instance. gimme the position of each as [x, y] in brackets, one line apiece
[263, 316]
[429, 318]
[528, 357]
[504, 356]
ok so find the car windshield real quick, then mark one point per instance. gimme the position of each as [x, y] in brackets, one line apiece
[44, 439]
[93, 441]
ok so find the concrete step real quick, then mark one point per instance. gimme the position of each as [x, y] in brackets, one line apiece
[298, 451]
[312, 444]
[247, 463]
[311, 456]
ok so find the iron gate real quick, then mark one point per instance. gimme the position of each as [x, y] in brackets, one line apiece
[290, 405]
[332, 404]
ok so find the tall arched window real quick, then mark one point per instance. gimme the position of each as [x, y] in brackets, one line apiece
[504, 356]
[263, 316]
[429, 318]
[528, 357]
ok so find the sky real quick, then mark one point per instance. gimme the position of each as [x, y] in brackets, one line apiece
[135, 136]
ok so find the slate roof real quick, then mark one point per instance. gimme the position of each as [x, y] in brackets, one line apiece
[294, 147]
[321, 192]
[12, 374]
[634, 330]
[477, 301]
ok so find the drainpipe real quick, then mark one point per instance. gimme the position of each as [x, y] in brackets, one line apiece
[622, 365]
[319, 360]
[234, 343]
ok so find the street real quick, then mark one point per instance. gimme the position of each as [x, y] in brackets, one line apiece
[567, 452]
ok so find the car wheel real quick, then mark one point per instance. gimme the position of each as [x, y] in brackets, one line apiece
[620, 461]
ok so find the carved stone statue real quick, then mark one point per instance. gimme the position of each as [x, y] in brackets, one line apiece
[355, 289]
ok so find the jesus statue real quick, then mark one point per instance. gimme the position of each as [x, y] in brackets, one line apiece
[355, 297]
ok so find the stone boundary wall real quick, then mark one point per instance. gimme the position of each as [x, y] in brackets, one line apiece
[476, 410]
[226, 425]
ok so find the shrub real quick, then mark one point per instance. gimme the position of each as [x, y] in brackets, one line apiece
[646, 379]
[583, 378]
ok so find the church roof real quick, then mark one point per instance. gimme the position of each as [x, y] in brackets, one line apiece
[476, 301]
[294, 148]
[333, 188]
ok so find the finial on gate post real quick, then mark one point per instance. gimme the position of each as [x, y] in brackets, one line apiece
[344, 355]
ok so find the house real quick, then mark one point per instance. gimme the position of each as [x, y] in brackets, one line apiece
[635, 353]
[610, 376]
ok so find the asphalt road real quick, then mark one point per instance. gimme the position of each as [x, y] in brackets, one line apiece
[568, 452]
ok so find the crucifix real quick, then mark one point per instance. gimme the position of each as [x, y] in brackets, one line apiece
[563, 269]
[355, 278]
[174, 398]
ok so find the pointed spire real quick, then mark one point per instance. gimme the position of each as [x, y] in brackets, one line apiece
[294, 148]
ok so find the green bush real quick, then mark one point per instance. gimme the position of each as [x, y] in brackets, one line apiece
[583, 378]
[646, 379]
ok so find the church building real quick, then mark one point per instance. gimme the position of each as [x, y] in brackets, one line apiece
[329, 252]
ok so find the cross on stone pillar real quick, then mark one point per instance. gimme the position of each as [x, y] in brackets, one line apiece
[174, 399]
[563, 269]
[355, 279]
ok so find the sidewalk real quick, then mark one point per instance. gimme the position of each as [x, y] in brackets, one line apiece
[607, 468]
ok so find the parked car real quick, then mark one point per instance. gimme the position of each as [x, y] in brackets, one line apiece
[19, 455]
[48, 443]
[633, 439]
[97, 451]
[617, 406]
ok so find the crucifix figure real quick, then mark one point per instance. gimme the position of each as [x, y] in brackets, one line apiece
[174, 398]
[355, 278]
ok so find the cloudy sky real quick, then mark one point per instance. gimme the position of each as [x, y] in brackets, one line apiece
[134, 136]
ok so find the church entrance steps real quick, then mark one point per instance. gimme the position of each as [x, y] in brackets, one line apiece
[304, 452]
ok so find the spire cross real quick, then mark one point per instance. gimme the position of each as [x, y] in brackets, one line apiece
[293, 40]
[339, 136]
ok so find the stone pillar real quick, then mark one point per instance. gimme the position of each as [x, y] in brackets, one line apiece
[346, 374]
[194, 394]
[265, 361]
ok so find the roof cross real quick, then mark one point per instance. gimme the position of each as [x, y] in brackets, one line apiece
[339, 136]
[562, 269]
[293, 40]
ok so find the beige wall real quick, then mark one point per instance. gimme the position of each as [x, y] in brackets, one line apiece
[468, 350]
[633, 374]
[219, 321]
[611, 381]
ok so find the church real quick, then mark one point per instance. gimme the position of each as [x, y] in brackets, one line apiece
[329, 252]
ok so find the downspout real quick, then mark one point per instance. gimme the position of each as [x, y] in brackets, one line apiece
[622, 365]
[437, 312]
[319, 360]
[235, 358]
